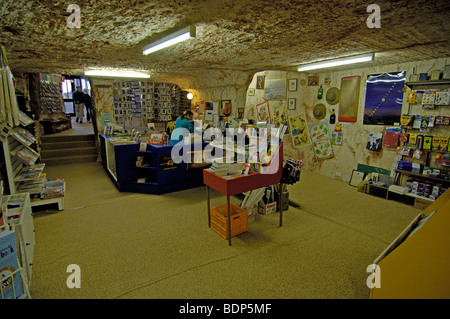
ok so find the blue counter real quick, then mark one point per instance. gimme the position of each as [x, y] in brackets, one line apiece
[160, 173]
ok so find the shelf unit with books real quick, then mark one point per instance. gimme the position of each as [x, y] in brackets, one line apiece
[23, 170]
[422, 138]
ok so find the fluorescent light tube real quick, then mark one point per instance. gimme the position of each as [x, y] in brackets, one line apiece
[171, 39]
[337, 62]
[118, 74]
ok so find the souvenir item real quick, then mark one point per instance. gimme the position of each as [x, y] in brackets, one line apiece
[436, 143]
[428, 99]
[332, 96]
[411, 97]
[332, 117]
[319, 111]
[320, 93]
[442, 98]
[337, 136]
[427, 141]
[405, 119]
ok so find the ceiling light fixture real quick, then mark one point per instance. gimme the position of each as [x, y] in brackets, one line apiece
[117, 74]
[173, 38]
[337, 62]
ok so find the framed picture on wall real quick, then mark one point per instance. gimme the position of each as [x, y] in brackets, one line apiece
[313, 80]
[251, 91]
[275, 89]
[291, 104]
[260, 82]
[292, 85]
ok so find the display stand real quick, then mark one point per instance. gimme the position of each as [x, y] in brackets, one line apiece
[160, 175]
[18, 215]
[16, 167]
[244, 183]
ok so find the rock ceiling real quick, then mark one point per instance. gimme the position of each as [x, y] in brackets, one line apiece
[233, 36]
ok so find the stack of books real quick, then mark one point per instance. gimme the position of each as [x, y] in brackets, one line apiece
[220, 169]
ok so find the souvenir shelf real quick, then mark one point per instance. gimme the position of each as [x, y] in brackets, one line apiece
[147, 102]
[428, 83]
[436, 169]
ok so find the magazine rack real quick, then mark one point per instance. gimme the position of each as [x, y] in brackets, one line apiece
[244, 183]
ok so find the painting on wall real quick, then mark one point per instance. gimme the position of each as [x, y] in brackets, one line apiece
[260, 82]
[299, 130]
[275, 89]
[384, 98]
[263, 112]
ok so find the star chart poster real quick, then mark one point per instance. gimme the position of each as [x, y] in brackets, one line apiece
[384, 98]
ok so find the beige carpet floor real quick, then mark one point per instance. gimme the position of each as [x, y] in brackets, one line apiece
[132, 245]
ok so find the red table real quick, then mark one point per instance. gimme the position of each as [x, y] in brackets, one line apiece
[244, 183]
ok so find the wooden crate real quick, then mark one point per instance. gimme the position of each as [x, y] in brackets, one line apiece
[239, 220]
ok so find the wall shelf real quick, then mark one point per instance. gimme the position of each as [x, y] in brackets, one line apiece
[428, 82]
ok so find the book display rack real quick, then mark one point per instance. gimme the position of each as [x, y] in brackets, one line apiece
[23, 172]
[17, 239]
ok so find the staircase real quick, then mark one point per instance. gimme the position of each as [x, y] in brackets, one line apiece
[60, 150]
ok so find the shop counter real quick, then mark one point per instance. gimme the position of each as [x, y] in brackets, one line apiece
[150, 171]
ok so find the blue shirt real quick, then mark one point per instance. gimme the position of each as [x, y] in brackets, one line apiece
[181, 123]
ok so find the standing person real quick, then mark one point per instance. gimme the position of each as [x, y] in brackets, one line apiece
[184, 121]
[87, 104]
[78, 98]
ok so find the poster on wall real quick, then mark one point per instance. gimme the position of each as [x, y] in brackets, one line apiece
[279, 115]
[275, 89]
[321, 141]
[249, 113]
[262, 112]
[299, 130]
[384, 98]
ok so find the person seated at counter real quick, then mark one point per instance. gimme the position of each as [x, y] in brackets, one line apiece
[183, 121]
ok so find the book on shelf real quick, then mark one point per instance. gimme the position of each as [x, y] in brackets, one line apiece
[53, 189]
[24, 119]
[33, 186]
[11, 284]
[23, 136]
[27, 155]
[30, 172]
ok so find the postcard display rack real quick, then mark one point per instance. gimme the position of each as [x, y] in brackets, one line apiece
[425, 148]
[17, 217]
[23, 174]
[138, 103]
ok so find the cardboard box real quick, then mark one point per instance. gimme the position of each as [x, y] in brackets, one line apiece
[267, 209]
[420, 203]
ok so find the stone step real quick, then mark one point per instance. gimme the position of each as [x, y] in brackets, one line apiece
[71, 144]
[66, 138]
[67, 152]
[70, 159]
